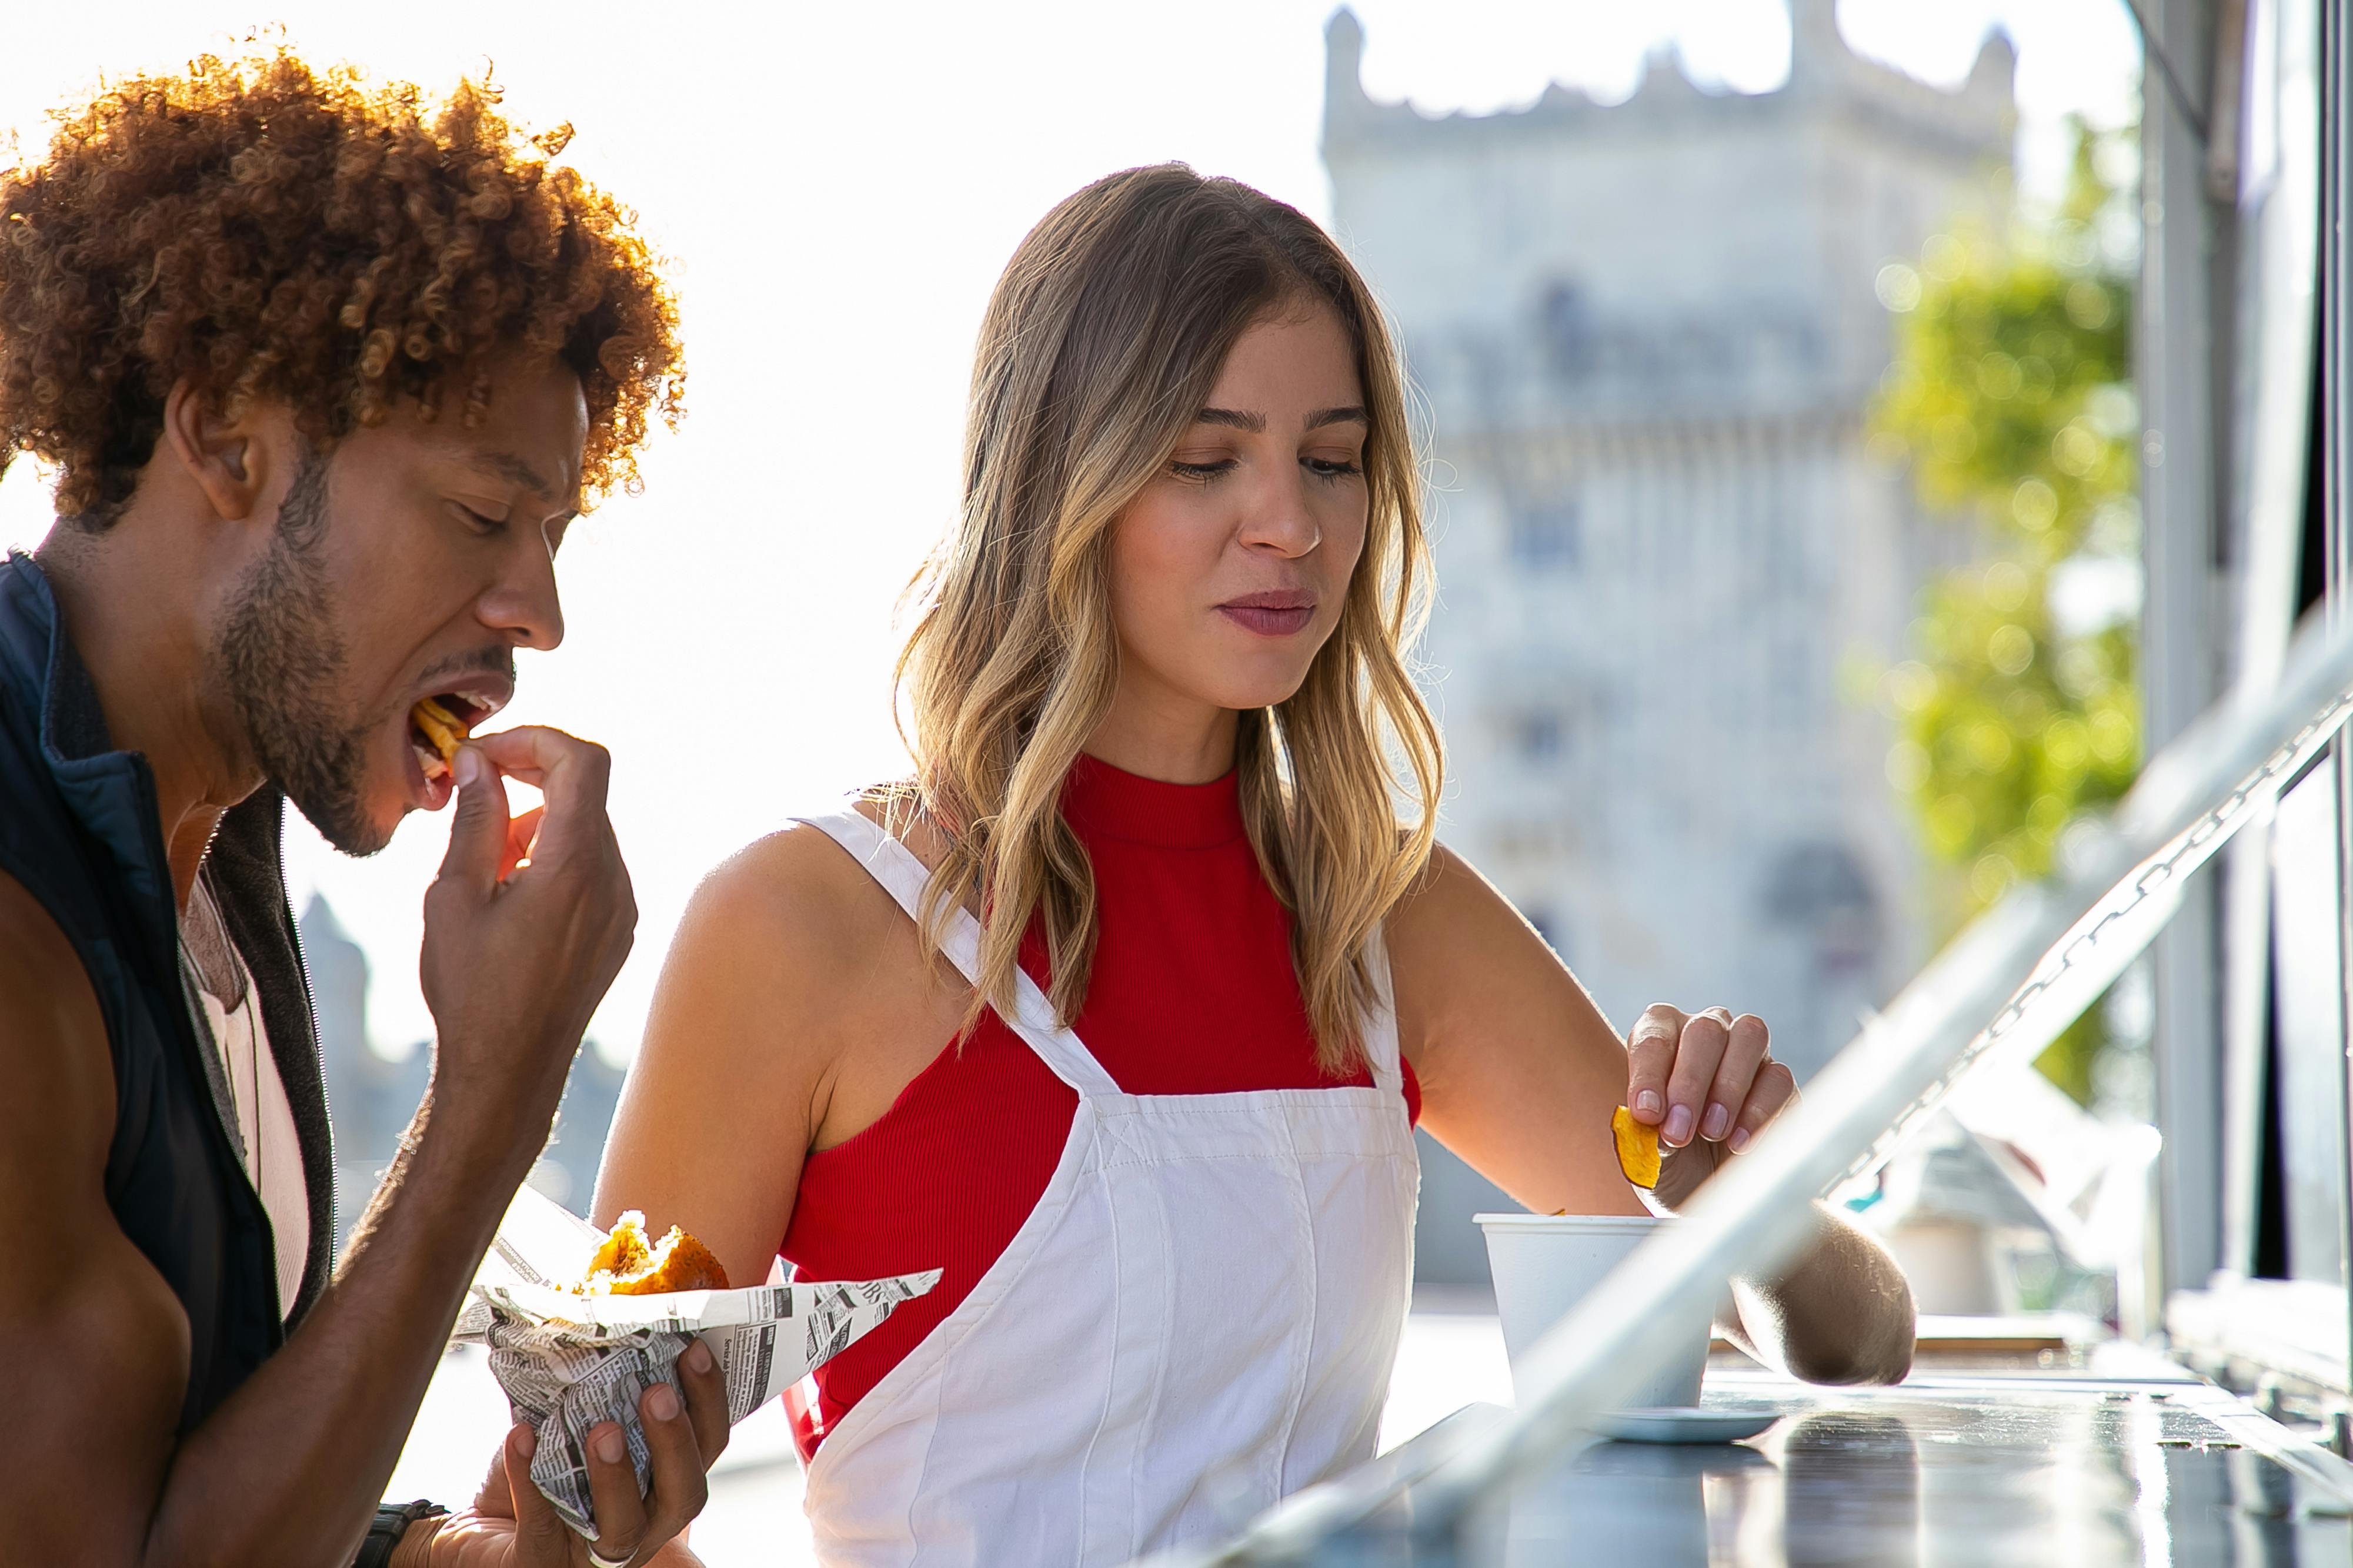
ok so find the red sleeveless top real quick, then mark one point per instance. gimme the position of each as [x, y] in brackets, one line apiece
[1193, 993]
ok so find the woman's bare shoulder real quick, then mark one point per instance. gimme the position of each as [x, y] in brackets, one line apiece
[898, 810]
[800, 909]
[794, 895]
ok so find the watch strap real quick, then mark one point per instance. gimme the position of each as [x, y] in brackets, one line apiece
[391, 1522]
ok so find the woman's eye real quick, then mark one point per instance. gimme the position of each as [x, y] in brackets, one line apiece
[1335, 467]
[1202, 473]
[480, 523]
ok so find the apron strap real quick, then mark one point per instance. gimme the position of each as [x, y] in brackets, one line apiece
[1381, 1049]
[904, 878]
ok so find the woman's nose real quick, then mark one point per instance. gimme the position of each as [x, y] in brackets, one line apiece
[1279, 518]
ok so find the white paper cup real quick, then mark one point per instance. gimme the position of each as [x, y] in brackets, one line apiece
[1545, 1264]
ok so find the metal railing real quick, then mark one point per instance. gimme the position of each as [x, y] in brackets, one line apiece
[2030, 965]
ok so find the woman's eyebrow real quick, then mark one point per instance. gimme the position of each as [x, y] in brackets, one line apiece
[1349, 415]
[1256, 423]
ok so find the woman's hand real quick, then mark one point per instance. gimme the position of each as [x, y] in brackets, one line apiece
[1708, 1082]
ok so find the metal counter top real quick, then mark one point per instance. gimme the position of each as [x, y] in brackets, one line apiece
[2076, 1463]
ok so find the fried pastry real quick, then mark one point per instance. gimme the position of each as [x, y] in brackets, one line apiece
[627, 1264]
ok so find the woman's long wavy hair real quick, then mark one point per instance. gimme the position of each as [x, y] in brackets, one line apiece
[1103, 340]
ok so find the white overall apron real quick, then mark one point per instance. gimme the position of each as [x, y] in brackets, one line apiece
[1199, 1318]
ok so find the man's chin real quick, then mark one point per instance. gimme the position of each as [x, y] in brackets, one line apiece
[348, 823]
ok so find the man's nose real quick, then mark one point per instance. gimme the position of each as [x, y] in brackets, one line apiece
[523, 605]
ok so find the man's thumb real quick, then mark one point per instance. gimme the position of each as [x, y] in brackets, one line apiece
[477, 834]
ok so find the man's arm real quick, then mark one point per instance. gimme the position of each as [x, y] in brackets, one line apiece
[95, 1344]
[289, 1469]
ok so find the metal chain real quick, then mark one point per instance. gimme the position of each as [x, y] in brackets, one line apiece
[2160, 873]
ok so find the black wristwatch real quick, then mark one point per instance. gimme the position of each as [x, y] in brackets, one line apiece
[391, 1522]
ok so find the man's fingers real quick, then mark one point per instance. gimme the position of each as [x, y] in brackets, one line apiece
[541, 1538]
[706, 1400]
[494, 1499]
[680, 1485]
[1774, 1091]
[1744, 1053]
[478, 833]
[520, 832]
[1697, 1056]
[621, 1522]
[572, 772]
[1649, 1055]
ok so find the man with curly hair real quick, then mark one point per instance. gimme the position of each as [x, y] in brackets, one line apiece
[325, 373]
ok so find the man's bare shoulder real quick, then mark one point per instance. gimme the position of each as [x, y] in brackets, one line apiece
[61, 1076]
[57, 1123]
[96, 1340]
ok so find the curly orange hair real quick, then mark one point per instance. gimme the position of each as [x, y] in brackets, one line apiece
[268, 230]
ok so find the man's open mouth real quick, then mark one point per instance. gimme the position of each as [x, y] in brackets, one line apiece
[438, 725]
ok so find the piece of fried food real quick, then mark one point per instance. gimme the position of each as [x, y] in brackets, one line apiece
[627, 1264]
[444, 729]
[1638, 1147]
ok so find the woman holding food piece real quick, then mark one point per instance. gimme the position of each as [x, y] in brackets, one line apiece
[1122, 1011]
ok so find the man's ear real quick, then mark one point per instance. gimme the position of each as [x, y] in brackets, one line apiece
[228, 458]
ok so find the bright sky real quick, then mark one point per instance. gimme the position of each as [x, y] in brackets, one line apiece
[839, 186]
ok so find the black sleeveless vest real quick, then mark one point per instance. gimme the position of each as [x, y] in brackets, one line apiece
[79, 830]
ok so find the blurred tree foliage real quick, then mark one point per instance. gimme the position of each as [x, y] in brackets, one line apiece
[2011, 396]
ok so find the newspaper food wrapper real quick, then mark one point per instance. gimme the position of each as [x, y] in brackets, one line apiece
[569, 1361]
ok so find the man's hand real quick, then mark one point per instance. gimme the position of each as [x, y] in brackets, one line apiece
[512, 1525]
[524, 928]
[1708, 1082]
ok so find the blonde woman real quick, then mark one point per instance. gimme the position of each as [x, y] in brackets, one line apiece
[1123, 1009]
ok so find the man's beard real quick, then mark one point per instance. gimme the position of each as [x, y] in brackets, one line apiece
[281, 655]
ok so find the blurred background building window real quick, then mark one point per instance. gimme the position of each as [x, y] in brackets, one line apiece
[1546, 534]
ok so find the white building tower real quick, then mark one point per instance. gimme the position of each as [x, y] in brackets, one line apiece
[1649, 337]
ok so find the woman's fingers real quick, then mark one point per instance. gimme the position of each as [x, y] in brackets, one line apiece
[1746, 1044]
[1650, 1058]
[1697, 1056]
[1773, 1089]
[621, 1522]
[1705, 1075]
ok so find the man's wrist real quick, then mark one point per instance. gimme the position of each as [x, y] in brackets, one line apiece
[473, 1136]
[416, 1547]
[412, 1547]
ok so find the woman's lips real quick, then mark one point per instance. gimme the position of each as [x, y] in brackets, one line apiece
[1270, 615]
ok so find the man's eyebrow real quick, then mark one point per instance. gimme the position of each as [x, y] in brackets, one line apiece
[514, 470]
[1349, 415]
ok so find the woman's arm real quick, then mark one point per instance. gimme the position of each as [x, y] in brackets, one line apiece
[721, 1104]
[1520, 1071]
[795, 1004]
